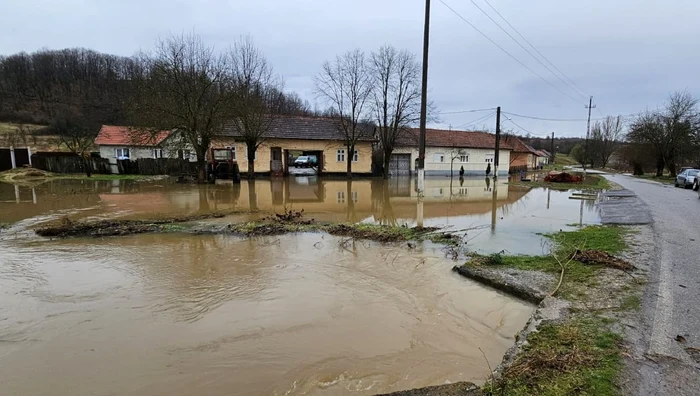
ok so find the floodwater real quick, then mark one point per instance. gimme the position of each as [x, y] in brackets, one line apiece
[496, 216]
[303, 314]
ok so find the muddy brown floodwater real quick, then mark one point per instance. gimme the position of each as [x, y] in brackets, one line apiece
[176, 314]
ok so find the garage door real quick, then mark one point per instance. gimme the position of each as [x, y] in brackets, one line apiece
[400, 164]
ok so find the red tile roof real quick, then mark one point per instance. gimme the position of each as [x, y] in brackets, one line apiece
[454, 138]
[520, 147]
[128, 136]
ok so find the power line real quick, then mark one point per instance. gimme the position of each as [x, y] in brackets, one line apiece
[563, 119]
[525, 49]
[466, 111]
[508, 53]
[526, 130]
[484, 118]
[582, 92]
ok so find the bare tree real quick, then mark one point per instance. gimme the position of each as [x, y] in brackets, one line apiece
[183, 85]
[346, 85]
[396, 97]
[671, 133]
[259, 97]
[77, 135]
[606, 137]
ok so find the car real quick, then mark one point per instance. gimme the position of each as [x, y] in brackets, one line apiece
[687, 178]
[305, 161]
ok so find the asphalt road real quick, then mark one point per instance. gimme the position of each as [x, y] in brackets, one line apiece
[671, 307]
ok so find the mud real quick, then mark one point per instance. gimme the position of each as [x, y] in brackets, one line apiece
[597, 257]
[66, 228]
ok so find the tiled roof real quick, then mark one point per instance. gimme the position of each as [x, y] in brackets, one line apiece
[111, 135]
[453, 138]
[520, 147]
[297, 127]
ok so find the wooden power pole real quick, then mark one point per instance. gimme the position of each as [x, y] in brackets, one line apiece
[551, 150]
[590, 107]
[498, 142]
[424, 100]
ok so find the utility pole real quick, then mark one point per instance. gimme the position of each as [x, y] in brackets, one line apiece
[424, 101]
[498, 143]
[551, 150]
[590, 107]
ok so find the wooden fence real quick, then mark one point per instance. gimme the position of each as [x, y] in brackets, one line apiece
[160, 166]
[68, 163]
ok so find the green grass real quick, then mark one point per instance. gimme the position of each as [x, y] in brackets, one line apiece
[578, 357]
[666, 179]
[631, 303]
[609, 239]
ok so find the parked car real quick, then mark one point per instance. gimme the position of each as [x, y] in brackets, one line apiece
[687, 178]
[305, 161]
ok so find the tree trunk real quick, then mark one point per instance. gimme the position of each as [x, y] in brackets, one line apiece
[86, 167]
[386, 160]
[659, 167]
[251, 161]
[351, 150]
[201, 169]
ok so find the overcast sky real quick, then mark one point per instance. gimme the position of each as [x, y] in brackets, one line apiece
[629, 54]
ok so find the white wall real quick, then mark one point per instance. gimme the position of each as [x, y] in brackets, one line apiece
[475, 165]
[109, 152]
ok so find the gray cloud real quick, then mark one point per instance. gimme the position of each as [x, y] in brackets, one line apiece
[629, 54]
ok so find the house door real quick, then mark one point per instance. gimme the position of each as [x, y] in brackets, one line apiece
[400, 164]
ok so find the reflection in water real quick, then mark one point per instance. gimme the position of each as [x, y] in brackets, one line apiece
[514, 214]
[216, 315]
[494, 204]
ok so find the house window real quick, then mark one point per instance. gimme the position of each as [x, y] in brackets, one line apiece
[464, 158]
[340, 197]
[463, 191]
[233, 152]
[489, 159]
[355, 156]
[221, 155]
[439, 157]
[157, 153]
[340, 155]
[354, 197]
[121, 153]
[186, 154]
[438, 192]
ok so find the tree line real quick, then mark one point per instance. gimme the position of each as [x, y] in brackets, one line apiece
[185, 85]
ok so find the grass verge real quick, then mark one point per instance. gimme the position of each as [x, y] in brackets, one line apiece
[581, 354]
[666, 179]
[578, 357]
[592, 182]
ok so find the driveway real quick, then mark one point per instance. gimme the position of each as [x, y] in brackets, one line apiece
[671, 307]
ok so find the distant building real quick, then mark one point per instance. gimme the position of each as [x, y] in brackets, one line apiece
[523, 157]
[127, 143]
[447, 151]
[294, 136]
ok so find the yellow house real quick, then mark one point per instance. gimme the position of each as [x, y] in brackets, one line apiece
[294, 136]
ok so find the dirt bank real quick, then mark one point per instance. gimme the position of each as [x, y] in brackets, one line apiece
[66, 228]
[277, 224]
